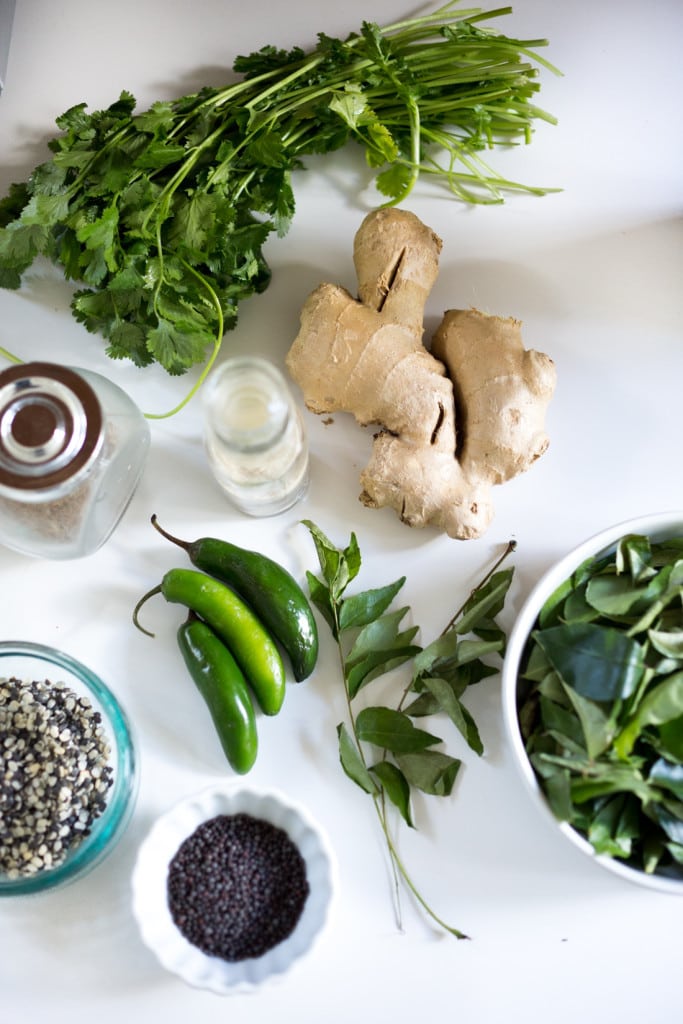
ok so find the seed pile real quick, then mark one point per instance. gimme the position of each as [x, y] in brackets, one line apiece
[237, 886]
[54, 773]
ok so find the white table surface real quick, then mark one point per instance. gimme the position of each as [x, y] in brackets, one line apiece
[594, 273]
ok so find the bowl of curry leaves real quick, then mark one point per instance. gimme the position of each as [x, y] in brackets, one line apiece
[593, 698]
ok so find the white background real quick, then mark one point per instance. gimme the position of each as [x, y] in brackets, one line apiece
[594, 273]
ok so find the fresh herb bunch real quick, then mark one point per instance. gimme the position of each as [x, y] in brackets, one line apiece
[602, 714]
[163, 214]
[381, 749]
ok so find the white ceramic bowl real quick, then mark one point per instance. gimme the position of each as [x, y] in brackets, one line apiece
[658, 526]
[150, 904]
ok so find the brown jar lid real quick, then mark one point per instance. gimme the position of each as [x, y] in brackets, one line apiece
[50, 425]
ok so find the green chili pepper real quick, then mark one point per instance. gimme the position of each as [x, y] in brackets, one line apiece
[221, 683]
[237, 626]
[273, 593]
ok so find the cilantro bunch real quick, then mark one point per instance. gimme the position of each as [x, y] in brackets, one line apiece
[162, 215]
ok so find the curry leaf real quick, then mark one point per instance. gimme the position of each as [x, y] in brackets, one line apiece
[599, 663]
[430, 771]
[396, 786]
[660, 705]
[596, 724]
[668, 776]
[352, 762]
[362, 609]
[392, 730]
[447, 701]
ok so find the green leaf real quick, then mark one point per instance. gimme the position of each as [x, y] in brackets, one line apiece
[671, 823]
[363, 608]
[157, 119]
[194, 222]
[550, 612]
[634, 556]
[160, 154]
[395, 786]
[338, 567]
[350, 104]
[320, 596]
[102, 234]
[395, 182]
[668, 776]
[667, 642]
[577, 609]
[352, 763]
[676, 851]
[21, 243]
[670, 588]
[662, 704]
[377, 635]
[449, 703]
[392, 730]
[380, 143]
[596, 725]
[45, 209]
[602, 779]
[9, 277]
[561, 723]
[177, 346]
[430, 771]
[557, 788]
[486, 601]
[599, 662]
[12, 205]
[614, 827]
[612, 595]
[671, 735]
[126, 339]
[377, 663]
[449, 651]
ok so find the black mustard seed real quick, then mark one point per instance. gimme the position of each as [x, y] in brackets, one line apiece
[237, 886]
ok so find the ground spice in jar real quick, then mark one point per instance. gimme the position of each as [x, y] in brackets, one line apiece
[237, 886]
[54, 773]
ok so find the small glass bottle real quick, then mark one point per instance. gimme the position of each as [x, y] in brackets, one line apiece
[254, 436]
[72, 450]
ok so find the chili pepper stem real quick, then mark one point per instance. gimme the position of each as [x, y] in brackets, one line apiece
[169, 536]
[138, 606]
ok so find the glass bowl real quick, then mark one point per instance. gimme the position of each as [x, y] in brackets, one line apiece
[658, 527]
[150, 895]
[30, 662]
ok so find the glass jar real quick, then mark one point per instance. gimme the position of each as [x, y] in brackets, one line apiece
[254, 436]
[72, 450]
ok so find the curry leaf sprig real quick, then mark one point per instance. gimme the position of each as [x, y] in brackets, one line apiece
[602, 702]
[381, 749]
[162, 215]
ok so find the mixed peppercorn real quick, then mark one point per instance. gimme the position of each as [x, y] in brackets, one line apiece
[54, 773]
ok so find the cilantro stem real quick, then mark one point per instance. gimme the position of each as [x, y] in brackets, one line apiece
[206, 369]
[9, 356]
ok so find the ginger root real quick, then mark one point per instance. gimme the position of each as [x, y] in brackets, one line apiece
[454, 421]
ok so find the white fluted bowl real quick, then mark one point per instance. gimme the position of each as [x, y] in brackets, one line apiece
[149, 882]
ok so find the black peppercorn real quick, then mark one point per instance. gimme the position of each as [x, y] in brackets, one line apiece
[237, 886]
